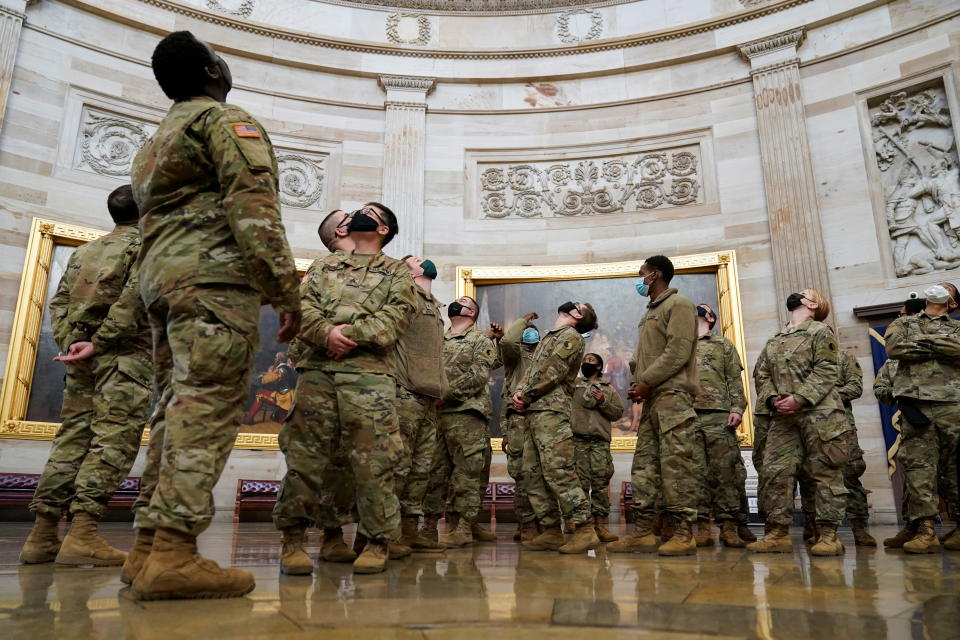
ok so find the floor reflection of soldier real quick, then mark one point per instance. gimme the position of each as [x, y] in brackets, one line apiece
[275, 392]
[34, 617]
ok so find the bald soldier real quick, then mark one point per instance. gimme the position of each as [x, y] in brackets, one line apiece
[214, 250]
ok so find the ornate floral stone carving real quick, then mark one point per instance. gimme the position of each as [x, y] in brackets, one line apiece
[591, 186]
[569, 34]
[243, 9]
[301, 179]
[916, 153]
[108, 142]
[399, 23]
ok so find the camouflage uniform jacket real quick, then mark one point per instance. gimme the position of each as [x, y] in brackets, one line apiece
[516, 358]
[550, 379]
[374, 294]
[666, 354]
[297, 346]
[927, 349]
[92, 282]
[468, 359]
[883, 383]
[850, 380]
[719, 367]
[801, 361]
[126, 332]
[590, 419]
[206, 183]
[420, 350]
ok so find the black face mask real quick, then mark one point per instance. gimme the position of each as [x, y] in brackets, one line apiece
[567, 307]
[588, 369]
[794, 300]
[701, 312]
[454, 309]
[362, 222]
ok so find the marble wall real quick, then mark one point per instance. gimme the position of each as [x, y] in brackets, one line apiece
[82, 95]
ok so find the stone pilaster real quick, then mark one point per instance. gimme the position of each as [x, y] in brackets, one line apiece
[403, 158]
[11, 21]
[796, 237]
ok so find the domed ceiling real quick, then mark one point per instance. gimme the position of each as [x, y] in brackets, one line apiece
[480, 6]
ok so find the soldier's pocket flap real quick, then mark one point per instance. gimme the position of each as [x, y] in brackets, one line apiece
[671, 418]
[140, 371]
[471, 448]
[831, 426]
[256, 152]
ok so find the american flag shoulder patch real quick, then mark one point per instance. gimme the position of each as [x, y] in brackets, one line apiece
[246, 130]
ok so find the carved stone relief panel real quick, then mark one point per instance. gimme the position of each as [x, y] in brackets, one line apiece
[302, 178]
[107, 142]
[915, 150]
[579, 25]
[238, 8]
[623, 183]
[409, 28]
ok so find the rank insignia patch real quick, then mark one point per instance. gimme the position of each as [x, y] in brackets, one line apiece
[246, 130]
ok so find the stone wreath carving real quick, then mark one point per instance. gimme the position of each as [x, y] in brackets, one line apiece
[916, 154]
[563, 26]
[110, 143]
[590, 187]
[244, 10]
[423, 28]
[301, 180]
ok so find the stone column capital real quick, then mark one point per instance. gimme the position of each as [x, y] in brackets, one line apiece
[780, 48]
[14, 8]
[406, 91]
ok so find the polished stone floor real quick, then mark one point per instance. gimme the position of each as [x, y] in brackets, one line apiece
[498, 592]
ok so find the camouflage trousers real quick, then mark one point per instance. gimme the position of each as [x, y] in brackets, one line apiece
[204, 338]
[461, 468]
[929, 458]
[852, 471]
[761, 426]
[418, 428]
[515, 431]
[594, 465]
[70, 446]
[549, 457]
[333, 412]
[725, 476]
[668, 463]
[812, 443]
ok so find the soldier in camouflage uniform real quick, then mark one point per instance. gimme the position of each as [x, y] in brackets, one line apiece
[460, 472]
[105, 402]
[669, 459]
[596, 404]
[422, 384]
[545, 394]
[720, 406]
[516, 350]
[354, 310]
[214, 249]
[926, 348]
[797, 381]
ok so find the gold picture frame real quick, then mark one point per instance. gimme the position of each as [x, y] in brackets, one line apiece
[722, 263]
[45, 236]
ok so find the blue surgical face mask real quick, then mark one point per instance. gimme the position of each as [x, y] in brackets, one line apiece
[530, 336]
[642, 287]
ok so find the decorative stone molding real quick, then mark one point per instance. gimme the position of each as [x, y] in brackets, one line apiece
[571, 36]
[480, 7]
[11, 23]
[243, 10]
[301, 179]
[787, 41]
[399, 22]
[752, 3]
[914, 146]
[107, 142]
[626, 183]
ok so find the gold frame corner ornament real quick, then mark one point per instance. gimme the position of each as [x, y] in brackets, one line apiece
[722, 263]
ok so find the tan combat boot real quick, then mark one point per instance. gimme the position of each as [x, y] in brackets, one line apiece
[682, 543]
[640, 539]
[810, 532]
[860, 536]
[373, 559]
[83, 546]
[828, 544]
[334, 549]
[568, 526]
[398, 550]
[529, 531]
[294, 560]
[174, 570]
[359, 541]
[729, 537]
[429, 528]
[605, 535]
[775, 540]
[926, 539]
[460, 535]
[951, 540]
[482, 535]
[43, 544]
[745, 533]
[906, 534]
[142, 544]
[584, 538]
[410, 536]
[704, 537]
[550, 540]
[668, 526]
